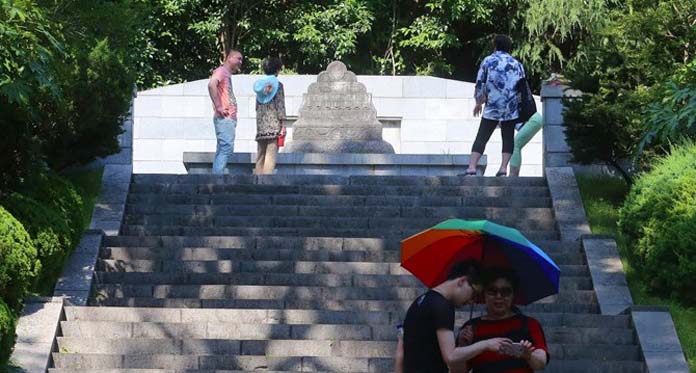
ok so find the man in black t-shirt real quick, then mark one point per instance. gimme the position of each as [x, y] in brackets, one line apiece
[428, 344]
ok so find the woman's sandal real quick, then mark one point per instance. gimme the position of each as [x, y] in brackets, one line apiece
[501, 173]
[470, 173]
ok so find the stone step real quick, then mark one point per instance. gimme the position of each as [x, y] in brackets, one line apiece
[285, 304]
[338, 180]
[332, 200]
[256, 266]
[140, 230]
[222, 363]
[255, 363]
[316, 243]
[298, 316]
[172, 214]
[302, 348]
[493, 192]
[522, 220]
[289, 279]
[326, 255]
[310, 293]
[240, 331]
[377, 365]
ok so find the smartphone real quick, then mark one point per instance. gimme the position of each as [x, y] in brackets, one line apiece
[513, 349]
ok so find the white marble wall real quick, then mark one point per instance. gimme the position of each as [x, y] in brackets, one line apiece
[436, 119]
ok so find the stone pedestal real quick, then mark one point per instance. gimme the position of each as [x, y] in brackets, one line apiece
[337, 116]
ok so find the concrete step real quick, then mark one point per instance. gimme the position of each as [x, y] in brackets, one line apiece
[337, 180]
[280, 304]
[299, 316]
[239, 331]
[323, 297]
[351, 217]
[494, 192]
[314, 243]
[332, 200]
[325, 255]
[262, 266]
[310, 293]
[170, 214]
[290, 279]
[306, 364]
[223, 363]
[140, 230]
[302, 348]
[377, 365]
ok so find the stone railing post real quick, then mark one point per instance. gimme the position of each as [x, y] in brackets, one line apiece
[556, 149]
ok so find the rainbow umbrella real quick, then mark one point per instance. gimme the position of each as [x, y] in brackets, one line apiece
[430, 254]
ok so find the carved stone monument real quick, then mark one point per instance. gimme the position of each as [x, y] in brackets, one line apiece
[337, 116]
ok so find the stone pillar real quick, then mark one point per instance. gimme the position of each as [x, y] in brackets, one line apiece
[556, 149]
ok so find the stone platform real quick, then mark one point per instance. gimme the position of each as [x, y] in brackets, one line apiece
[342, 164]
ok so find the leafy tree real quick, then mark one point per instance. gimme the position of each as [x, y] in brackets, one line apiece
[622, 70]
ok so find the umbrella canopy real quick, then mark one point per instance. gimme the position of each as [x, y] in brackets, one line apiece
[430, 254]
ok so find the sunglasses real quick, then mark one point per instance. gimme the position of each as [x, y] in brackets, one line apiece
[503, 292]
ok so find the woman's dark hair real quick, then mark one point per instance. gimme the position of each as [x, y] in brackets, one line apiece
[271, 65]
[502, 43]
[490, 275]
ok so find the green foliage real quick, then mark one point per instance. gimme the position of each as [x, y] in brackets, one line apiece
[50, 235]
[658, 221]
[8, 321]
[621, 73]
[50, 209]
[672, 119]
[18, 264]
[66, 77]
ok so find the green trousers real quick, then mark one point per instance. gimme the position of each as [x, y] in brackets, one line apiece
[525, 134]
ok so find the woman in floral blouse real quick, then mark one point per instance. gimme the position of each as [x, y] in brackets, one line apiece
[270, 115]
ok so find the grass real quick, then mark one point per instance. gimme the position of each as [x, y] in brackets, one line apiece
[602, 197]
[88, 183]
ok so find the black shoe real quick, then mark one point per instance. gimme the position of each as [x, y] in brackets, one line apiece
[501, 173]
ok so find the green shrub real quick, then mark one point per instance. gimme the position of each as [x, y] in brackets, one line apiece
[58, 194]
[18, 263]
[50, 233]
[658, 220]
[8, 322]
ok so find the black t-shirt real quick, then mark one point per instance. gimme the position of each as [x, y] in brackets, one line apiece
[430, 312]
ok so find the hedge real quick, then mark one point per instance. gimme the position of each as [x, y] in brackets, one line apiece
[8, 322]
[18, 263]
[50, 233]
[658, 220]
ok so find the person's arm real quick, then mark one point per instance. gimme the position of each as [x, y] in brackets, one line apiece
[459, 355]
[399, 356]
[536, 357]
[480, 87]
[213, 92]
[280, 108]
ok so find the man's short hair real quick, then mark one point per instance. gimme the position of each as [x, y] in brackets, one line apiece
[502, 43]
[232, 51]
[271, 65]
[469, 268]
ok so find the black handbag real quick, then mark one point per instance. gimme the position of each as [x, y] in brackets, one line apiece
[527, 105]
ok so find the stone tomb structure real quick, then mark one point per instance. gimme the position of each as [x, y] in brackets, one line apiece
[337, 116]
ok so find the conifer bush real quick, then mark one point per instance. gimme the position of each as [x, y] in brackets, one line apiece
[658, 220]
[18, 263]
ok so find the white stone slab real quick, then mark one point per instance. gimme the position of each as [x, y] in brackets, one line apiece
[383, 86]
[424, 86]
[147, 150]
[424, 130]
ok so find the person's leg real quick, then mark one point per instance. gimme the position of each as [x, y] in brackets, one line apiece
[507, 132]
[225, 133]
[523, 137]
[484, 133]
[271, 156]
[260, 156]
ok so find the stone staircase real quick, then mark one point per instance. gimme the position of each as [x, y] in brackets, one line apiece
[301, 273]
